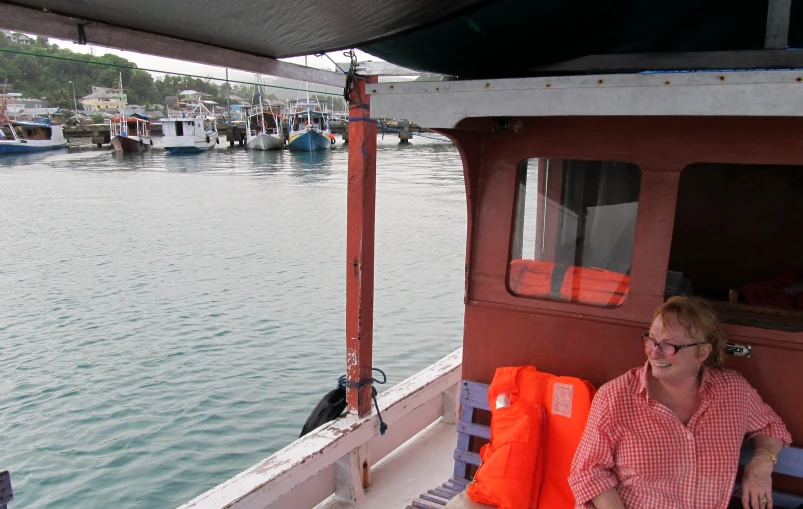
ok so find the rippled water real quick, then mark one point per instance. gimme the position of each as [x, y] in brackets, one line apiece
[168, 321]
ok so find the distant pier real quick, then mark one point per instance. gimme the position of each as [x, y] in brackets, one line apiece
[235, 133]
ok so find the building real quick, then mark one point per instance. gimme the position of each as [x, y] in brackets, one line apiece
[103, 98]
[17, 38]
[16, 103]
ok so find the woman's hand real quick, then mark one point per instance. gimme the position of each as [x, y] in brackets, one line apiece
[757, 483]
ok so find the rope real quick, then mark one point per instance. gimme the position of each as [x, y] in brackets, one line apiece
[330, 58]
[120, 66]
[343, 382]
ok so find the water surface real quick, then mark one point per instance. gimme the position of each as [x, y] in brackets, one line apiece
[168, 321]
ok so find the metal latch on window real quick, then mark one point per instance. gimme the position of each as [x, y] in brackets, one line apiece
[738, 350]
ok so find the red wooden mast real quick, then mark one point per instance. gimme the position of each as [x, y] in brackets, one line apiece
[360, 247]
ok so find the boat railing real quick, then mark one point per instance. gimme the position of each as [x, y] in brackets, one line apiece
[333, 459]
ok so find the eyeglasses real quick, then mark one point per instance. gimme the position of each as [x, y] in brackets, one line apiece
[667, 349]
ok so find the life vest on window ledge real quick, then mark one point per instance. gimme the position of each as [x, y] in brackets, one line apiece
[537, 420]
[589, 285]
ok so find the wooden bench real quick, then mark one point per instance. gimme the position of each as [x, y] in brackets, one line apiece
[474, 396]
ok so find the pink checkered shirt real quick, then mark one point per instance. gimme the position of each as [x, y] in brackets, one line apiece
[639, 446]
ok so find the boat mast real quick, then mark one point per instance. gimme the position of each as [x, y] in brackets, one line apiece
[124, 121]
[4, 112]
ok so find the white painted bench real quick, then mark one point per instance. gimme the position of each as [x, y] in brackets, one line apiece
[474, 396]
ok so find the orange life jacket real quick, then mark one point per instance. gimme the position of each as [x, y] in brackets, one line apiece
[568, 401]
[569, 283]
[512, 462]
[533, 440]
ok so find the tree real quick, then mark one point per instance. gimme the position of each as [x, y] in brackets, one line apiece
[45, 72]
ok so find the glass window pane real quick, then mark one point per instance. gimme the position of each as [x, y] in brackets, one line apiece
[574, 230]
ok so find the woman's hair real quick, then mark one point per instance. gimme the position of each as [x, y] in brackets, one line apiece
[698, 319]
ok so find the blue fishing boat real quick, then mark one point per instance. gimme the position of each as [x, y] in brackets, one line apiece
[310, 126]
[26, 137]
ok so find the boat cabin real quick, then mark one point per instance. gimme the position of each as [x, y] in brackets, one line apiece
[263, 119]
[187, 126]
[300, 120]
[130, 126]
[632, 176]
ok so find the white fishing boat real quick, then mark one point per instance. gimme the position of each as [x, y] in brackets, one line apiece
[187, 133]
[263, 127]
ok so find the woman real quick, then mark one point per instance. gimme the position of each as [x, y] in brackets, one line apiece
[668, 434]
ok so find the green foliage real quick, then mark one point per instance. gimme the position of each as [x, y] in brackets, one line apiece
[49, 78]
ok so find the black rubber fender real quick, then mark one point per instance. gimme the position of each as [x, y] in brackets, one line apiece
[329, 408]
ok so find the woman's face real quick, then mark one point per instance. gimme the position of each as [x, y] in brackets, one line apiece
[682, 365]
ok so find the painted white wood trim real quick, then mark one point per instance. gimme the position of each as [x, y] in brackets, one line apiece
[40, 22]
[451, 404]
[444, 103]
[271, 479]
[349, 475]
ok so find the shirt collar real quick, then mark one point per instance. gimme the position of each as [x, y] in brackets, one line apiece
[640, 386]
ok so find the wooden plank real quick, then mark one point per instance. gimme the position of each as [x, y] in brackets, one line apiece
[451, 405]
[703, 94]
[447, 491]
[458, 480]
[456, 487]
[471, 458]
[474, 394]
[442, 493]
[777, 33]
[349, 471]
[435, 499]
[475, 430]
[423, 504]
[360, 233]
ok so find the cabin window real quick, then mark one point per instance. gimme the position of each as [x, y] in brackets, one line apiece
[574, 230]
[738, 242]
[179, 128]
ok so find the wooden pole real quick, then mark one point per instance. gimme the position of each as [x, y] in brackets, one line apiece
[360, 247]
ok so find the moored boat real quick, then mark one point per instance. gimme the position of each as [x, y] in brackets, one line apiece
[130, 134]
[190, 133]
[263, 128]
[24, 137]
[309, 126]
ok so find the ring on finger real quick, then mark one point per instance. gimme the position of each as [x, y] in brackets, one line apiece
[763, 500]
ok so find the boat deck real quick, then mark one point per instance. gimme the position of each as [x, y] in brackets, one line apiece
[420, 464]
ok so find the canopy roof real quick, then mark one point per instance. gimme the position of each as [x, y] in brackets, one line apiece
[464, 38]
